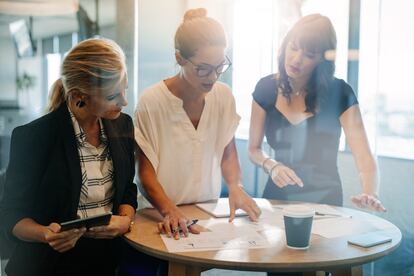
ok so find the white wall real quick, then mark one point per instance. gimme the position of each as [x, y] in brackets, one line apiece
[7, 65]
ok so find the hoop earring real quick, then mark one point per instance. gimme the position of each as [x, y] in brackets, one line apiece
[80, 104]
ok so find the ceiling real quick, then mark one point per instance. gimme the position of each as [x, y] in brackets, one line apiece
[46, 26]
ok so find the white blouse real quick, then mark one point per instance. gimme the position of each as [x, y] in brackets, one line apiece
[187, 161]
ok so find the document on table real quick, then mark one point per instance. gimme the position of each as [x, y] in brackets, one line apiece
[237, 238]
[245, 234]
[337, 227]
[321, 210]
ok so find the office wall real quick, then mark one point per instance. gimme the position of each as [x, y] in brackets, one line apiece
[8, 66]
[156, 40]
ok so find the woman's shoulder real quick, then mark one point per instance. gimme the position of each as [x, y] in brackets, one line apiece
[341, 96]
[267, 83]
[40, 129]
[265, 91]
[43, 123]
[339, 84]
[152, 93]
[339, 89]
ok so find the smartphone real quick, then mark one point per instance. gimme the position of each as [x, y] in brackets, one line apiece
[369, 239]
[98, 220]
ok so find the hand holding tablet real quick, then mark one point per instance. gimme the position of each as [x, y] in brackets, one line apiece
[88, 222]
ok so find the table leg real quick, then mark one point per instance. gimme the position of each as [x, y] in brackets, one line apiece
[179, 269]
[354, 271]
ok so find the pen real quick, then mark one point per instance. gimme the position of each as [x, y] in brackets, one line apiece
[194, 221]
[332, 215]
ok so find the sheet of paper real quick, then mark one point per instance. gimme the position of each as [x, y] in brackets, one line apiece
[230, 238]
[337, 227]
[322, 210]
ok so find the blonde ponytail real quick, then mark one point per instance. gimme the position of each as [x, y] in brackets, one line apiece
[93, 67]
[57, 95]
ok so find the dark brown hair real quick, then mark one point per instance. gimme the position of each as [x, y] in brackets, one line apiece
[313, 33]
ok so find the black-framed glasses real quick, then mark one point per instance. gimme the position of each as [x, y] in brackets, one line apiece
[204, 70]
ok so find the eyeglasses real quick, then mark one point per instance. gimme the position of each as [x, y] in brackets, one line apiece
[204, 70]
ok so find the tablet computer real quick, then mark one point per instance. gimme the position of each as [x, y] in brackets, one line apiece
[369, 239]
[98, 220]
[219, 209]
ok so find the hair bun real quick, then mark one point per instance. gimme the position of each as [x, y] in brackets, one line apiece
[194, 13]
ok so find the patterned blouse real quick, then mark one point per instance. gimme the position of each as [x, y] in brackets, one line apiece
[97, 190]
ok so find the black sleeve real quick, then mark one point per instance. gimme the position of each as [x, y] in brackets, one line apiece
[130, 194]
[347, 97]
[265, 92]
[23, 176]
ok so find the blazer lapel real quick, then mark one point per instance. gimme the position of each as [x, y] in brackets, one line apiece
[72, 156]
[115, 148]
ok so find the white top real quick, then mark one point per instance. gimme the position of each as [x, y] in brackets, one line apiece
[186, 160]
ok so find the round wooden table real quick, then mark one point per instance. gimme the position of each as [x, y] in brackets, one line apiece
[334, 255]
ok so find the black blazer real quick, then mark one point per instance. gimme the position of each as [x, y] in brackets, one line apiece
[43, 180]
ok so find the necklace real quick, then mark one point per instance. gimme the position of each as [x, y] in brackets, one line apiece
[299, 92]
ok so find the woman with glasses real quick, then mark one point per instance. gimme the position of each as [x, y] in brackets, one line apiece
[302, 110]
[185, 128]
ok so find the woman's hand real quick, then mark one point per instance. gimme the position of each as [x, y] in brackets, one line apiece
[118, 225]
[368, 201]
[283, 176]
[239, 199]
[62, 241]
[175, 222]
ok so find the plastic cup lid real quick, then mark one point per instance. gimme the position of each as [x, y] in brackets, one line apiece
[298, 211]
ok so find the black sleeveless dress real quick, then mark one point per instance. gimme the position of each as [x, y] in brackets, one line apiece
[310, 147]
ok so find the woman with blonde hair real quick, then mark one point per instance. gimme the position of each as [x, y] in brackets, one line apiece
[302, 110]
[185, 128]
[77, 161]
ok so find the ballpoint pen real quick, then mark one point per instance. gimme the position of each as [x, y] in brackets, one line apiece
[332, 215]
[194, 221]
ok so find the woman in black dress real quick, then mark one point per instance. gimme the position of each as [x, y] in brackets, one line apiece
[301, 110]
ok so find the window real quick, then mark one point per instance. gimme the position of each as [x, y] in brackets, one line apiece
[386, 58]
[256, 42]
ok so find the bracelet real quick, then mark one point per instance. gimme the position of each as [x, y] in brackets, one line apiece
[274, 166]
[263, 164]
[130, 226]
[132, 222]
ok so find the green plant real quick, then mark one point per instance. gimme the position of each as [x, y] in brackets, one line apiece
[25, 81]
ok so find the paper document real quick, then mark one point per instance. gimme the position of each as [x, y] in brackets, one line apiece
[321, 210]
[236, 238]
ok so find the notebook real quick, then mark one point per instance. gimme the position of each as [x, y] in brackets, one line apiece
[219, 209]
[369, 239]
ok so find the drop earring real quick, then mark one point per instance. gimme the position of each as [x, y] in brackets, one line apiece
[80, 104]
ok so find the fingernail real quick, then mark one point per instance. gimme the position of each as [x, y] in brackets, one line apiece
[76, 231]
